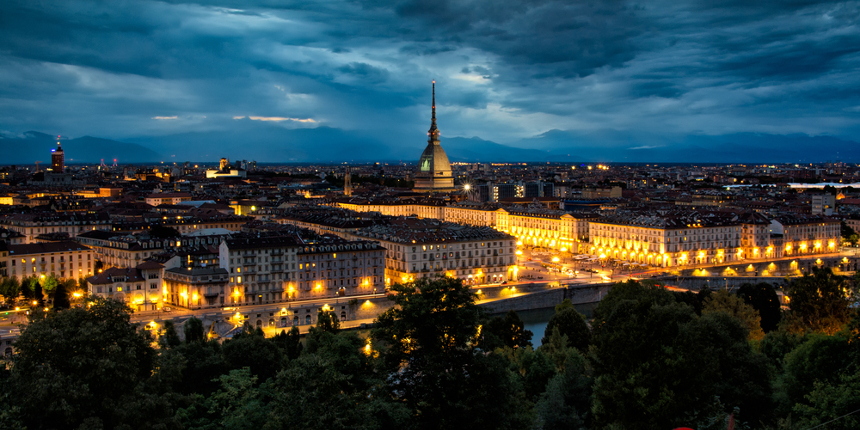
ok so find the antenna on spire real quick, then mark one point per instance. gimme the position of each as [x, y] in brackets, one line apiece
[434, 132]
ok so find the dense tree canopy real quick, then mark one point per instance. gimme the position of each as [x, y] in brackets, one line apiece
[658, 365]
[571, 323]
[820, 302]
[763, 298]
[723, 301]
[79, 366]
[508, 331]
[435, 361]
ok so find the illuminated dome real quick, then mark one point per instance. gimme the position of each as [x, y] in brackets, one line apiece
[434, 169]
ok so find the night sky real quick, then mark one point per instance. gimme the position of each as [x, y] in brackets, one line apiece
[657, 71]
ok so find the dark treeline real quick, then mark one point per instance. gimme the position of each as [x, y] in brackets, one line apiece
[650, 359]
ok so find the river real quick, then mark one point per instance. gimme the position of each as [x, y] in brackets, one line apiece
[537, 319]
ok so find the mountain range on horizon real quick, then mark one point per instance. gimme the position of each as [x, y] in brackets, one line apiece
[332, 145]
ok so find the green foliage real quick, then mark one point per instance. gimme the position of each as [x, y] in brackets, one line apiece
[32, 289]
[327, 321]
[821, 358]
[170, 338]
[572, 324]
[723, 301]
[691, 299]
[820, 302]
[202, 364]
[630, 291]
[193, 330]
[658, 365]
[49, 285]
[10, 289]
[848, 233]
[289, 343]
[251, 349]
[508, 331]
[61, 296]
[535, 369]
[428, 341]
[777, 344]
[80, 366]
[830, 403]
[433, 316]
[763, 298]
[651, 362]
[235, 405]
[567, 400]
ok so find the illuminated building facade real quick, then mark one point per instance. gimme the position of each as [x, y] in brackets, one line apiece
[666, 241]
[58, 158]
[804, 235]
[31, 225]
[65, 259]
[691, 238]
[547, 228]
[427, 248]
[341, 269]
[196, 287]
[156, 199]
[278, 269]
[140, 288]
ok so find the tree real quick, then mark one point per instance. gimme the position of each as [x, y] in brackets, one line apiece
[61, 296]
[290, 343]
[630, 291]
[427, 346]
[571, 323]
[658, 365]
[170, 338]
[49, 285]
[762, 297]
[566, 402]
[237, 404]
[723, 301]
[834, 404]
[80, 366]
[848, 234]
[193, 330]
[432, 316]
[327, 321]
[821, 358]
[819, 302]
[251, 349]
[10, 289]
[507, 331]
[202, 364]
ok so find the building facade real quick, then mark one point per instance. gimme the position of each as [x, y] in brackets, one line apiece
[64, 259]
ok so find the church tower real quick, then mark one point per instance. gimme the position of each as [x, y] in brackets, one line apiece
[434, 169]
[58, 158]
[347, 183]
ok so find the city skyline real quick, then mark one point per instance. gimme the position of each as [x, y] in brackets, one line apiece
[639, 83]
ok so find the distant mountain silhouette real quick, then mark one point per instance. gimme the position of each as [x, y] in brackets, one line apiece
[475, 149]
[266, 143]
[252, 140]
[33, 146]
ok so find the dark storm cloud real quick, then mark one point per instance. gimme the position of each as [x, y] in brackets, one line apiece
[505, 70]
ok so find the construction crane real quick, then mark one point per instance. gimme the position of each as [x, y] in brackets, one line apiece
[37, 166]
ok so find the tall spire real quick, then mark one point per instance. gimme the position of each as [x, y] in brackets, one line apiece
[434, 132]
